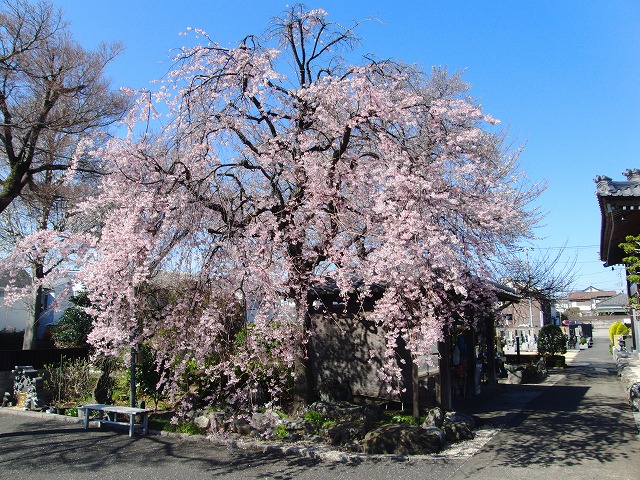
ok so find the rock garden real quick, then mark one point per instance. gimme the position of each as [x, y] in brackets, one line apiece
[368, 429]
[338, 425]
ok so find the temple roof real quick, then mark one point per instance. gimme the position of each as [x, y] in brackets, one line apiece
[620, 212]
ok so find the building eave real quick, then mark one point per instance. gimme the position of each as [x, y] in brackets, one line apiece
[619, 204]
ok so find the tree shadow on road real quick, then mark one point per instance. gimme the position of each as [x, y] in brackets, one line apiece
[67, 449]
[565, 427]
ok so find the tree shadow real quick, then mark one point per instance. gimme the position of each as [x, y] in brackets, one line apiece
[67, 449]
[567, 426]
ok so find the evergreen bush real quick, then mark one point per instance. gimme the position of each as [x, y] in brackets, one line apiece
[74, 324]
[552, 341]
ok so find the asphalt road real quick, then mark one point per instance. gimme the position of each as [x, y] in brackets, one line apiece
[576, 425]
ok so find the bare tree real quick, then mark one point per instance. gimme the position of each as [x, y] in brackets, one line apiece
[53, 95]
[50, 87]
[47, 203]
[537, 274]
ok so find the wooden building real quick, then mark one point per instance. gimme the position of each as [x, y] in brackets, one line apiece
[620, 214]
[343, 338]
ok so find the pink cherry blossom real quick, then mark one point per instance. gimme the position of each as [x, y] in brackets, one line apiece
[242, 181]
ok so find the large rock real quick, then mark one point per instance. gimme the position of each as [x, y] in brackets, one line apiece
[458, 427]
[297, 428]
[457, 432]
[457, 417]
[265, 421]
[344, 433]
[335, 391]
[242, 426]
[434, 418]
[634, 396]
[348, 412]
[515, 376]
[220, 421]
[403, 439]
[202, 422]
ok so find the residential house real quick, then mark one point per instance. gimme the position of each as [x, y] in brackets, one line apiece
[15, 315]
[587, 300]
[613, 306]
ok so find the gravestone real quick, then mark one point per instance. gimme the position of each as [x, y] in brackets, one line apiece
[28, 380]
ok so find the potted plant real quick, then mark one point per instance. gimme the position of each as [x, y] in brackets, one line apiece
[583, 343]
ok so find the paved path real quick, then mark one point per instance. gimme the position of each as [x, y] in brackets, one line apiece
[576, 425]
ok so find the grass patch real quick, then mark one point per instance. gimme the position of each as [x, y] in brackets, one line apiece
[404, 418]
[71, 412]
[281, 431]
[164, 425]
[314, 417]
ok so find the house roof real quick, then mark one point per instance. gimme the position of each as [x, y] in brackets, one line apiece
[587, 296]
[620, 213]
[505, 293]
[621, 300]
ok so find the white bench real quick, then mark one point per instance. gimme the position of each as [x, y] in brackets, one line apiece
[112, 411]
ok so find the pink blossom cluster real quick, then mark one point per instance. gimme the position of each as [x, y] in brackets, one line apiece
[242, 182]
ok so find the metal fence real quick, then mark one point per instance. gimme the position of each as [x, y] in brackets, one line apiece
[9, 359]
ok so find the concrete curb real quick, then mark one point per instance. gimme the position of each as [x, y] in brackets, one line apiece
[43, 415]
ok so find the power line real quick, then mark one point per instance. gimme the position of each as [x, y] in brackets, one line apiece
[569, 247]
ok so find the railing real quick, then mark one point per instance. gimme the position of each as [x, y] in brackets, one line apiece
[9, 359]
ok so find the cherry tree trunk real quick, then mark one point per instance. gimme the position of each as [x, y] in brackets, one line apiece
[33, 322]
[303, 384]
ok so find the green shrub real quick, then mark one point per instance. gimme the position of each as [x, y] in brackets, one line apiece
[403, 418]
[617, 329]
[552, 341]
[188, 428]
[557, 361]
[162, 424]
[71, 382]
[149, 374]
[74, 324]
[121, 385]
[71, 412]
[281, 431]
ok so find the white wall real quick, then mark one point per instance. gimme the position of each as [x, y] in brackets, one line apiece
[13, 316]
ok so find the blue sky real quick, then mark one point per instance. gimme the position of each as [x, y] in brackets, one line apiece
[562, 75]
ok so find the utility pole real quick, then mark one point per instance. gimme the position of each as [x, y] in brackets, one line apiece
[526, 252]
